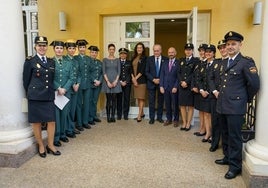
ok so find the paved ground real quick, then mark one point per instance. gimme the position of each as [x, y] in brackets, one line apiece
[125, 154]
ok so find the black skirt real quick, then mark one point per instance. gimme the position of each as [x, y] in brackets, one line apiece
[41, 111]
[186, 97]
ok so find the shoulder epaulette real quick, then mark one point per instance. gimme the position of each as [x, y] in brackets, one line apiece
[29, 57]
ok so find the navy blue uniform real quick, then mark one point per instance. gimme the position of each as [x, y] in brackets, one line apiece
[238, 84]
[38, 79]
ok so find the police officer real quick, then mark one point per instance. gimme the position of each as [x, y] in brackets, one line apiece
[71, 48]
[63, 82]
[123, 98]
[83, 91]
[96, 78]
[186, 97]
[239, 82]
[214, 88]
[38, 76]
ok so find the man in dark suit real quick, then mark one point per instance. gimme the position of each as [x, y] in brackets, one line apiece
[239, 82]
[123, 98]
[169, 83]
[153, 68]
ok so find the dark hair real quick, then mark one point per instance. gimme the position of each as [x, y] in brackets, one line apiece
[111, 45]
[135, 50]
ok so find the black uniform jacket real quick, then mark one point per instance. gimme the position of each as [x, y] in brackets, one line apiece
[38, 79]
[238, 85]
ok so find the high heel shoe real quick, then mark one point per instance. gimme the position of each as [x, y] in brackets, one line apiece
[53, 152]
[43, 155]
[138, 120]
[143, 116]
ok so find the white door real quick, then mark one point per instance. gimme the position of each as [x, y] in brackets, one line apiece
[192, 28]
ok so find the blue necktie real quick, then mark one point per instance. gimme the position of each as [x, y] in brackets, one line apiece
[157, 67]
[230, 62]
[44, 60]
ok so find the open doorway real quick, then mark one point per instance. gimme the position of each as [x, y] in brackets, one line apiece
[171, 32]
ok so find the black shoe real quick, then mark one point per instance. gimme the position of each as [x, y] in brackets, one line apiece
[76, 132]
[204, 140]
[57, 143]
[43, 155]
[199, 134]
[53, 152]
[97, 120]
[232, 174]
[64, 139]
[87, 126]
[222, 162]
[160, 120]
[91, 123]
[188, 128]
[125, 118]
[182, 128]
[151, 121]
[139, 120]
[143, 116]
[80, 128]
[113, 120]
[213, 148]
[109, 120]
[70, 135]
[119, 118]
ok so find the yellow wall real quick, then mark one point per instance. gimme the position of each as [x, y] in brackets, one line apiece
[84, 19]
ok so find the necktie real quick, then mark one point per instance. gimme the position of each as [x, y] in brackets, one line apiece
[43, 59]
[230, 61]
[157, 67]
[170, 65]
[60, 61]
[187, 59]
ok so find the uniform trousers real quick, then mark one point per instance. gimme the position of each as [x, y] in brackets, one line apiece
[71, 119]
[93, 101]
[215, 124]
[83, 106]
[172, 105]
[123, 101]
[160, 103]
[61, 121]
[232, 140]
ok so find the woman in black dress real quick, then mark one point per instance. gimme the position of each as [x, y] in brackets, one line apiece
[38, 75]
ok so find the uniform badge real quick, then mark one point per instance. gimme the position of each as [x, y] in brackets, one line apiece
[182, 63]
[215, 66]
[202, 70]
[38, 65]
[221, 68]
[196, 67]
[253, 70]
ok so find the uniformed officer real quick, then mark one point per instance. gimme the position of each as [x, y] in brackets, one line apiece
[239, 82]
[195, 89]
[83, 91]
[71, 48]
[186, 97]
[123, 98]
[63, 82]
[38, 76]
[214, 88]
[96, 78]
[204, 90]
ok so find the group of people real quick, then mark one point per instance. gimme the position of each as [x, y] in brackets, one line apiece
[218, 88]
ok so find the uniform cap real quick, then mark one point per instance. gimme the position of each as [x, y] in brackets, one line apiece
[231, 35]
[220, 43]
[57, 43]
[81, 42]
[211, 47]
[94, 48]
[123, 50]
[189, 46]
[202, 46]
[40, 40]
[70, 43]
